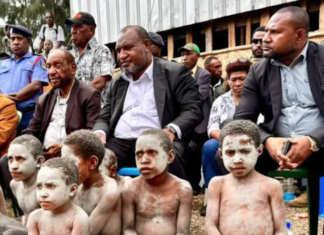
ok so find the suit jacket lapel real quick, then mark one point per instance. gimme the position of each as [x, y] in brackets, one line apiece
[118, 103]
[274, 78]
[159, 88]
[313, 77]
[71, 102]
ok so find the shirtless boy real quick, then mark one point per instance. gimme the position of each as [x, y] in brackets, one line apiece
[156, 202]
[109, 167]
[25, 157]
[97, 195]
[244, 201]
[57, 184]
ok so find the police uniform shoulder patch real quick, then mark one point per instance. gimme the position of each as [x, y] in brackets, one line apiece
[43, 65]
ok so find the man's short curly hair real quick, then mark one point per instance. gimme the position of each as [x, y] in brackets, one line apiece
[32, 144]
[70, 172]
[241, 127]
[85, 144]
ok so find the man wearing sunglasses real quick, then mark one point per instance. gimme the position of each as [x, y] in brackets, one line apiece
[257, 51]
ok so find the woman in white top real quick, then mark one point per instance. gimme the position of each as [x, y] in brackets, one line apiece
[223, 108]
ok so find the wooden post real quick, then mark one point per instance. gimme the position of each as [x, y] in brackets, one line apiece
[209, 36]
[170, 47]
[265, 17]
[321, 16]
[231, 33]
[188, 36]
[304, 4]
[248, 31]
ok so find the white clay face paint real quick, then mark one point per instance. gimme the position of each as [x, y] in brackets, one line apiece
[156, 164]
[240, 162]
[68, 152]
[52, 191]
[103, 168]
[23, 164]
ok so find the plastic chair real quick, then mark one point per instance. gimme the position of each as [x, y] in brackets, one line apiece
[129, 171]
[312, 198]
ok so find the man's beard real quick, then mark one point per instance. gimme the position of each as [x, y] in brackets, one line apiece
[136, 67]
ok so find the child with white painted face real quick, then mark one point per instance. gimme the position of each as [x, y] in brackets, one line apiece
[25, 157]
[156, 202]
[244, 201]
[97, 195]
[57, 184]
[109, 167]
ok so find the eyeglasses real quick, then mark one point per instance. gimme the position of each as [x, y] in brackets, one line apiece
[242, 60]
[256, 41]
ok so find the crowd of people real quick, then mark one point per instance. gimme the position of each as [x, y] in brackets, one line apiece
[67, 127]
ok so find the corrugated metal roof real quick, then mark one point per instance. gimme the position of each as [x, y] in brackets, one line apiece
[157, 15]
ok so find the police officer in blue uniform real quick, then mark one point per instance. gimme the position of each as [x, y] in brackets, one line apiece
[22, 75]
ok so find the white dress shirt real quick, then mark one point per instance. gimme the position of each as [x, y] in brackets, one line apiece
[56, 132]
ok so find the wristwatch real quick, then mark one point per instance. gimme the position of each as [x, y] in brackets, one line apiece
[172, 130]
[314, 146]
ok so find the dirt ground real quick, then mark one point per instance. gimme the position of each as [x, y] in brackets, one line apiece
[299, 226]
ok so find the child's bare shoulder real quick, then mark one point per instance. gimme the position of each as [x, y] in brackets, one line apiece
[79, 213]
[269, 182]
[132, 185]
[36, 214]
[218, 181]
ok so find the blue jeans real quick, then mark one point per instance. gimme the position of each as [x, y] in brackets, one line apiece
[208, 160]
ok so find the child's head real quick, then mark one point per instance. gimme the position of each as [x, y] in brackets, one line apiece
[240, 147]
[57, 182]
[48, 45]
[87, 151]
[154, 151]
[109, 164]
[25, 156]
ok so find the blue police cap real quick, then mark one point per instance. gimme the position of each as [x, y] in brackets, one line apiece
[20, 30]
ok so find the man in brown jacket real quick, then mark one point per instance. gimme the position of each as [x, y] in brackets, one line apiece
[8, 123]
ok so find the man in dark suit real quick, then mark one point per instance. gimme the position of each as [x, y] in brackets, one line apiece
[190, 54]
[287, 89]
[151, 93]
[69, 106]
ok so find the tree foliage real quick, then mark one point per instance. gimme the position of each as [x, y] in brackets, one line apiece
[31, 13]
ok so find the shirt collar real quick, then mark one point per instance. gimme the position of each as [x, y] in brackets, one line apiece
[303, 55]
[54, 26]
[27, 55]
[148, 73]
[194, 70]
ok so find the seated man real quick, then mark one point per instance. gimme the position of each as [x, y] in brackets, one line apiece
[25, 157]
[150, 93]
[8, 123]
[109, 168]
[68, 107]
[244, 201]
[156, 200]
[97, 194]
[57, 184]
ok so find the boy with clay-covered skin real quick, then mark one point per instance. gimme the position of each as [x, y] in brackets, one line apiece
[244, 201]
[156, 202]
[25, 157]
[109, 167]
[97, 195]
[57, 184]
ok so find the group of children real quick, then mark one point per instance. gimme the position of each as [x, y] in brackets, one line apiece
[81, 192]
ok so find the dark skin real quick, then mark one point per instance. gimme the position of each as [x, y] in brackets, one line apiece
[81, 34]
[20, 47]
[50, 23]
[215, 69]
[156, 50]
[61, 70]
[257, 50]
[284, 40]
[189, 59]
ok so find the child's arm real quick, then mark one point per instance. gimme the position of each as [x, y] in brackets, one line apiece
[184, 211]
[128, 199]
[212, 215]
[277, 208]
[32, 224]
[81, 225]
[101, 214]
